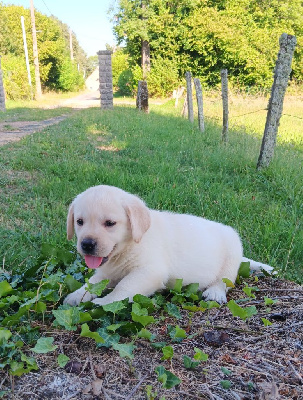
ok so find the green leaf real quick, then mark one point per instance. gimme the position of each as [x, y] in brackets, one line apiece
[266, 322]
[238, 311]
[199, 355]
[268, 301]
[146, 334]
[109, 338]
[114, 307]
[178, 286]
[97, 288]
[189, 363]
[168, 379]
[228, 283]
[177, 333]
[67, 317]
[141, 315]
[244, 270]
[44, 345]
[226, 371]
[5, 334]
[72, 283]
[86, 332]
[225, 384]
[5, 288]
[62, 360]
[144, 302]
[173, 310]
[125, 350]
[168, 352]
[40, 307]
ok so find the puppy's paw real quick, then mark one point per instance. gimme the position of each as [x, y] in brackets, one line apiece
[77, 297]
[101, 301]
[215, 293]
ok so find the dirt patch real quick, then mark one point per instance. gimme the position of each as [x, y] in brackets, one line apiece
[14, 131]
[258, 361]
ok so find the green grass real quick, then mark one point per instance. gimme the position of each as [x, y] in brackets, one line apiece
[166, 161]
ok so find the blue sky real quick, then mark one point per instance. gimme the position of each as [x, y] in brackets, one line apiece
[88, 19]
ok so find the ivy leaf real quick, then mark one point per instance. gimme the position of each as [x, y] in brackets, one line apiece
[225, 384]
[146, 334]
[244, 270]
[266, 322]
[238, 311]
[168, 352]
[199, 355]
[86, 332]
[109, 338]
[125, 350]
[228, 283]
[5, 288]
[141, 315]
[67, 317]
[268, 301]
[177, 333]
[5, 334]
[178, 286]
[97, 288]
[168, 379]
[114, 307]
[44, 345]
[62, 360]
[144, 302]
[226, 371]
[72, 283]
[189, 363]
[173, 310]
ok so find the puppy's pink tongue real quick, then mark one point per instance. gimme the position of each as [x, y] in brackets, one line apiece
[92, 261]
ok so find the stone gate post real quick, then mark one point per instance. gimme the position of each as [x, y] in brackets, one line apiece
[105, 78]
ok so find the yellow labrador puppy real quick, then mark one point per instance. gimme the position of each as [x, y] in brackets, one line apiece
[142, 250]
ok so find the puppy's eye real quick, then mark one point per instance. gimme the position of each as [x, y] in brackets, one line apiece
[80, 221]
[110, 223]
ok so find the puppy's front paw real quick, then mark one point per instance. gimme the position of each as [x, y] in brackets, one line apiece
[77, 297]
[215, 293]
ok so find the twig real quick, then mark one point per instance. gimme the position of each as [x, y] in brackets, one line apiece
[135, 388]
[91, 365]
[295, 372]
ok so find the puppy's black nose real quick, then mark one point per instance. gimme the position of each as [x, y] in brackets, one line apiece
[88, 245]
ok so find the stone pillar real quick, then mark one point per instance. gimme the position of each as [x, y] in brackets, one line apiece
[142, 97]
[105, 79]
[2, 94]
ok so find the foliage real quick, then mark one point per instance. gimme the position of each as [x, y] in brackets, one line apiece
[56, 71]
[206, 36]
[15, 78]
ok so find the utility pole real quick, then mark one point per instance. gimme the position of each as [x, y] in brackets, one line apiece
[35, 51]
[71, 44]
[26, 56]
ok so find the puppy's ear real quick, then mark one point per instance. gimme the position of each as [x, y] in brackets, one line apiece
[70, 222]
[139, 217]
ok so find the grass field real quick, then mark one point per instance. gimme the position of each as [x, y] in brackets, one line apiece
[166, 161]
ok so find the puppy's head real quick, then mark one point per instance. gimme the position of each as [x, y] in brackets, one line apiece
[106, 219]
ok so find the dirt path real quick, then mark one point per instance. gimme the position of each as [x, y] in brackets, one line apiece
[12, 131]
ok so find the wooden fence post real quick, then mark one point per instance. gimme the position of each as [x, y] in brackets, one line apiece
[142, 97]
[2, 94]
[199, 96]
[275, 104]
[189, 97]
[224, 86]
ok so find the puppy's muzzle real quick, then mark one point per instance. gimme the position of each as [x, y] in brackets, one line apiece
[88, 246]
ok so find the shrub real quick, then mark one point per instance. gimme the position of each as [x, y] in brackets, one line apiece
[15, 78]
[69, 79]
[163, 77]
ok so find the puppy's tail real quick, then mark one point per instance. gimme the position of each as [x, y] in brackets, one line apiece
[258, 266]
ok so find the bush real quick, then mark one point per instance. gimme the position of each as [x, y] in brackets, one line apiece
[15, 78]
[69, 79]
[163, 77]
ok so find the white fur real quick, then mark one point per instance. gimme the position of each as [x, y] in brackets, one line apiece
[148, 250]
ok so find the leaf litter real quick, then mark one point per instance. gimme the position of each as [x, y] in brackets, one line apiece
[214, 353]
